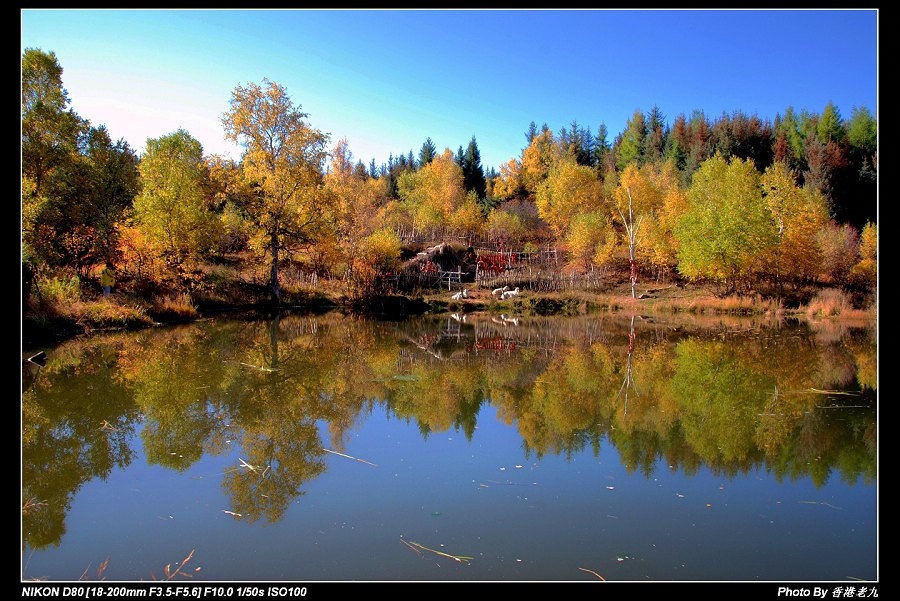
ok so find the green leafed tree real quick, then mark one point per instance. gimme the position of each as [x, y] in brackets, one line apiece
[830, 127]
[726, 227]
[50, 135]
[50, 129]
[76, 183]
[862, 131]
[283, 161]
[171, 209]
[631, 145]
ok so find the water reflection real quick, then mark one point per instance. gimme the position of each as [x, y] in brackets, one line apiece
[737, 397]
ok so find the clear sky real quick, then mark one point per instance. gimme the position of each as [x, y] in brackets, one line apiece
[385, 80]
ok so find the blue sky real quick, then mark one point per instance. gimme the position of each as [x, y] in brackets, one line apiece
[386, 80]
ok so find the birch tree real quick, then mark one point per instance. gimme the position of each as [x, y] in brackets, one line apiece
[283, 161]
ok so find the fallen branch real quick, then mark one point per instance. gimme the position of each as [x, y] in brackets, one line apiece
[350, 457]
[252, 468]
[267, 369]
[100, 570]
[844, 392]
[170, 574]
[416, 546]
[594, 573]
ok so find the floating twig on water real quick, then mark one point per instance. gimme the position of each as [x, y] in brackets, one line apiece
[843, 392]
[350, 457]
[170, 574]
[416, 547]
[822, 503]
[100, 570]
[266, 369]
[252, 468]
[594, 573]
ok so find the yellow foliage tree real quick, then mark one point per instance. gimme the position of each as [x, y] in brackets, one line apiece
[505, 227]
[357, 200]
[568, 190]
[800, 213]
[868, 242]
[865, 273]
[539, 159]
[432, 194]
[591, 239]
[509, 183]
[283, 160]
[656, 200]
[467, 220]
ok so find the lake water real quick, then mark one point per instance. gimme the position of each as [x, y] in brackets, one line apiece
[334, 448]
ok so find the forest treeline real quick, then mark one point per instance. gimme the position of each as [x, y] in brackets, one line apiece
[736, 200]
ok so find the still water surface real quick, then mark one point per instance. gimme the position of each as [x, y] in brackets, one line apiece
[332, 448]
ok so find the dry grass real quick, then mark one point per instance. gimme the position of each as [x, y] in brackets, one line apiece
[832, 302]
[698, 302]
[176, 308]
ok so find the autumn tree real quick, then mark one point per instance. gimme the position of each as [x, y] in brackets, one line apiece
[467, 219]
[50, 129]
[283, 160]
[171, 209]
[726, 227]
[568, 190]
[825, 160]
[799, 214]
[591, 238]
[865, 273]
[840, 247]
[538, 159]
[505, 228]
[90, 195]
[432, 194]
[508, 183]
[357, 200]
[77, 184]
[649, 195]
[50, 136]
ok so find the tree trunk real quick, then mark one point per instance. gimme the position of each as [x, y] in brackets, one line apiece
[273, 275]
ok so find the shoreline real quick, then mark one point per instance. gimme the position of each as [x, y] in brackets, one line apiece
[39, 331]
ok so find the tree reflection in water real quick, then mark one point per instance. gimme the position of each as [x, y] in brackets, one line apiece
[734, 398]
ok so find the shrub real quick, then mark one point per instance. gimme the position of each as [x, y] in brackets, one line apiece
[863, 275]
[62, 288]
[829, 302]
